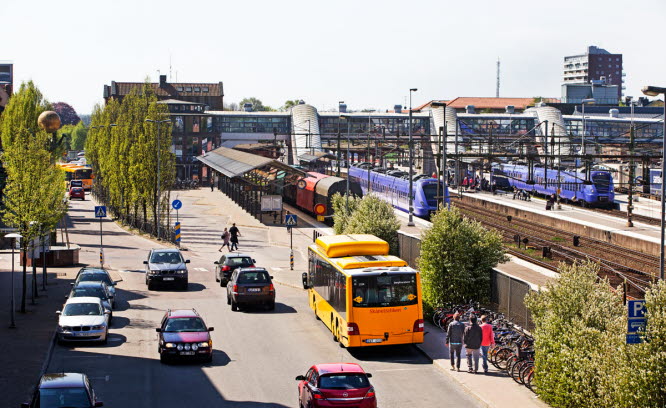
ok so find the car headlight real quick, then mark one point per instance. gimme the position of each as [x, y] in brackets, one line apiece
[181, 271]
[206, 344]
[151, 272]
[187, 346]
[195, 346]
[179, 347]
[170, 345]
[64, 328]
[98, 327]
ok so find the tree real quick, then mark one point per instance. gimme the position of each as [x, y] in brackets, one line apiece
[33, 197]
[67, 114]
[374, 216]
[257, 105]
[456, 257]
[290, 104]
[233, 106]
[78, 136]
[343, 208]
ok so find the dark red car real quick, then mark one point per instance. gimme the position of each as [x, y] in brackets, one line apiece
[184, 335]
[77, 192]
[336, 385]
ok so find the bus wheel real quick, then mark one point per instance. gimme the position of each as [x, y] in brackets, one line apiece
[316, 315]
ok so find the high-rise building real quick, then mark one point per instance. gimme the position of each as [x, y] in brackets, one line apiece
[596, 64]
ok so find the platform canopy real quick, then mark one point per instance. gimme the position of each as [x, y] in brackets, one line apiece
[251, 168]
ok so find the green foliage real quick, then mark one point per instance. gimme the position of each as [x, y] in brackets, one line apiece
[257, 105]
[374, 216]
[456, 257]
[289, 104]
[343, 208]
[78, 136]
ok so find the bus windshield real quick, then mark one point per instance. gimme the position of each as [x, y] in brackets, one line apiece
[384, 290]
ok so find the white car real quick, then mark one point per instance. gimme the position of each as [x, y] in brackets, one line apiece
[83, 319]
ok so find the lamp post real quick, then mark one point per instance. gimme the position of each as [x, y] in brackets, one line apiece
[157, 181]
[348, 118]
[582, 143]
[630, 193]
[411, 163]
[12, 313]
[338, 151]
[443, 132]
[654, 91]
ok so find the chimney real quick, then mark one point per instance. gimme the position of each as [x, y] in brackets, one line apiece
[342, 108]
[397, 108]
[469, 109]
[510, 109]
[163, 81]
[247, 107]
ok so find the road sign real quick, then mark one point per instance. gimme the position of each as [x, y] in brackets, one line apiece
[177, 204]
[290, 220]
[100, 211]
[176, 232]
[271, 203]
[636, 320]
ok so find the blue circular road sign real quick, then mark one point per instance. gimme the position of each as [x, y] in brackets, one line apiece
[176, 204]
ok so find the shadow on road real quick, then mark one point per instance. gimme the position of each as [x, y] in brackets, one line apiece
[279, 308]
[405, 354]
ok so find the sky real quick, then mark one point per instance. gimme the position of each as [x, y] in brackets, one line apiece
[367, 53]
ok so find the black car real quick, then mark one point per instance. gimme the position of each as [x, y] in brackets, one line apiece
[228, 264]
[63, 390]
[251, 286]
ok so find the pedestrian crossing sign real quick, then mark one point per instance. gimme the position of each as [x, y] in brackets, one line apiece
[290, 220]
[100, 211]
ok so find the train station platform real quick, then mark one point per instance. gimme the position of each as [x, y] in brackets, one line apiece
[641, 237]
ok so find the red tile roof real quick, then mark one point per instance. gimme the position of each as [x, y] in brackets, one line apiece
[488, 102]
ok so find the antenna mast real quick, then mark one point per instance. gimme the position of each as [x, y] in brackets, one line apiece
[498, 78]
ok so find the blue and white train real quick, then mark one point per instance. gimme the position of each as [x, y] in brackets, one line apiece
[599, 192]
[395, 190]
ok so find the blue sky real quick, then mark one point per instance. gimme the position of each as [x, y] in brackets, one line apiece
[367, 53]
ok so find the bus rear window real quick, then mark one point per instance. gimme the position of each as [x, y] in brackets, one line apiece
[384, 290]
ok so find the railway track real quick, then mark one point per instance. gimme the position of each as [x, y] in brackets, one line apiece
[620, 265]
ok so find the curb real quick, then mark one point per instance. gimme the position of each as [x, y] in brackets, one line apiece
[443, 369]
[288, 285]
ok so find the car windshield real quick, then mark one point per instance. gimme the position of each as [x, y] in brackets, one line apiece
[94, 291]
[64, 397]
[343, 381]
[239, 261]
[95, 277]
[384, 290]
[185, 324]
[253, 277]
[166, 257]
[82, 309]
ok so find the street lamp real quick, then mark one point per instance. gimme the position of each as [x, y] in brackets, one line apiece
[347, 160]
[340, 117]
[443, 166]
[583, 102]
[13, 237]
[654, 91]
[411, 163]
[157, 182]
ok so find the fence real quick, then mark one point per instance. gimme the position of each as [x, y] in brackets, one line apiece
[507, 296]
[409, 248]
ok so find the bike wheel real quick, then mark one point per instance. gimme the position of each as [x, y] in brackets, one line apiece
[516, 369]
[502, 357]
[529, 379]
[527, 369]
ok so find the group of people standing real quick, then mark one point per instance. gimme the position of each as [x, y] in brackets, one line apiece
[477, 340]
[230, 236]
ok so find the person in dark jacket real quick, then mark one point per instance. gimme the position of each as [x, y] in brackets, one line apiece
[472, 339]
[454, 339]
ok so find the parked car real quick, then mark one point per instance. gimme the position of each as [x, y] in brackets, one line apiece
[250, 286]
[228, 264]
[183, 334]
[98, 275]
[63, 390]
[83, 319]
[339, 385]
[166, 266]
[94, 289]
[77, 192]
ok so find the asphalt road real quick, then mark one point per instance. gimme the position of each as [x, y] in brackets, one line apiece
[257, 354]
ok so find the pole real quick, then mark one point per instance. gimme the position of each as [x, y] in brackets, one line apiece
[291, 248]
[545, 159]
[559, 166]
[157, 216]
[663, 203]
[439, 172]
[101, 244]
[338, 151]
[411, 164]
[368, 140]
[347, 162]
[445, 173]
[43, 262]
[582, 143]
[12, 324]
[630, 195]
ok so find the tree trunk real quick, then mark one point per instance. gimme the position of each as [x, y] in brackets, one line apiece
[34, 278]
[25, 280]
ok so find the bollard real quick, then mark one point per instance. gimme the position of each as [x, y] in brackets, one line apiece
[546, 252]
[576, 240]
[291, 260]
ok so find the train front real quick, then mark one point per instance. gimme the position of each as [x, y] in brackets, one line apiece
[427, 195]
[601, 193]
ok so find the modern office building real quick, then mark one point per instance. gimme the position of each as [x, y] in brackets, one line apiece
[210, 95]
[595, 64]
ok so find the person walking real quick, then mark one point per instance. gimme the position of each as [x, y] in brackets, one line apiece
[235, 233]
[225, 240]
[487, 340]
[472, 341]
[454, 339]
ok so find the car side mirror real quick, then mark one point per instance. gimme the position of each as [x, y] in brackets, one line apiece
[66, 296]
[158, 330]
[71, 283]
[187, 261]
[254, 261]
[304, 276]
[99, 404]
[300, 378]
[216, 262]
[145, 262]
[368, 375]
[58, 312]
[211, 328]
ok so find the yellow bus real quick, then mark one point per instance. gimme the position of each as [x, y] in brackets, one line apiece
[78, 172]
[364, 295]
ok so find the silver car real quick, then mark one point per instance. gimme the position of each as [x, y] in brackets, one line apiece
[83, 319]
[166, 266]
[95, 289]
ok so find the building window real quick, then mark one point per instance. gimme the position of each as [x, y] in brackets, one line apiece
[188, 89]
[205, 89]
[617, 59]
[197, 89]
[179, 88]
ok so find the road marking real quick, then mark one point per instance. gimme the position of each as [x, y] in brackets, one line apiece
[276, 268]
[201, 269]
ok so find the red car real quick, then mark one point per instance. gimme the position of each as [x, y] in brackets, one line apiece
[336, 385]
[183, 334]
[77, 192]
